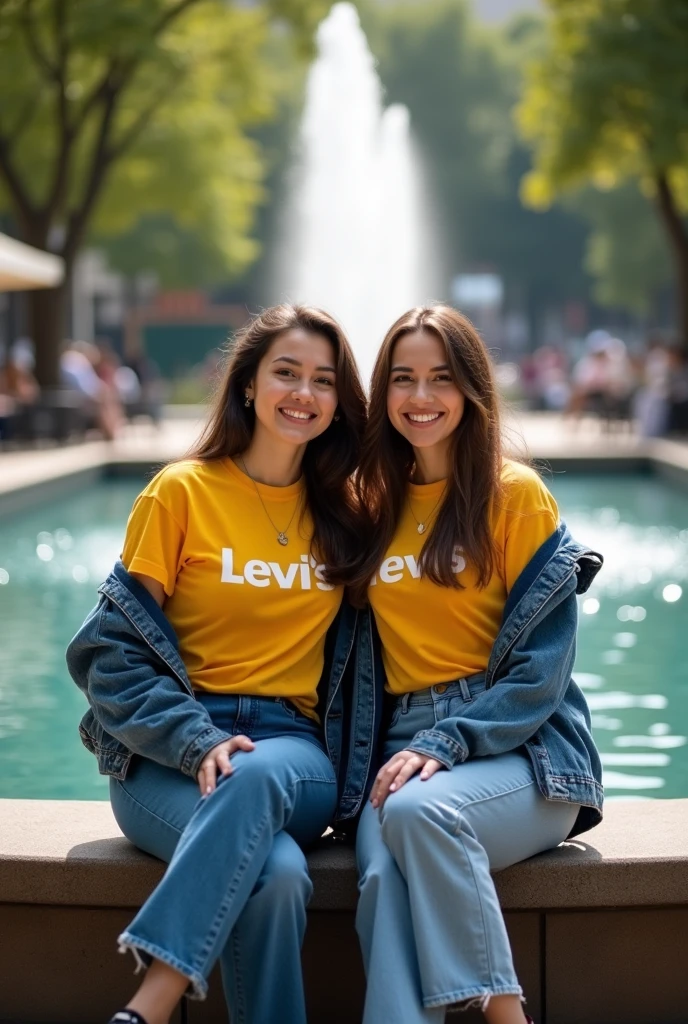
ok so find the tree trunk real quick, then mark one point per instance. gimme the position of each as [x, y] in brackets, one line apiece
[678, 238]
[47, 317]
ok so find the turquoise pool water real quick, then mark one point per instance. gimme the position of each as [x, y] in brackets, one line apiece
[631, 656]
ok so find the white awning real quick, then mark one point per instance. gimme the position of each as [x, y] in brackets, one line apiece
[22, 266]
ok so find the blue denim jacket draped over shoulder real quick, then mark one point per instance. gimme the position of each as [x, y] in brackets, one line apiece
[527, 696]
[125, 659]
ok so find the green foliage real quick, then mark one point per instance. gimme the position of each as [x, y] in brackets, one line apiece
[116, 109]
[606, 105]
[607, 100]
[181, 257]
[627, 253]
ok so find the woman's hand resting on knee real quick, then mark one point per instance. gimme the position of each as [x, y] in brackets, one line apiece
[217, 760]
[398, 770]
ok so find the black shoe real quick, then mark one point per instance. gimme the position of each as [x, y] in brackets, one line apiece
[127, 1017]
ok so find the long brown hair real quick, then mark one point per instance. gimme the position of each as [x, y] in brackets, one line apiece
[387, 461]
[329, 460]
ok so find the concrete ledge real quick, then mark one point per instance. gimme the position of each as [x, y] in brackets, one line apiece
[598, 927]
[44, 474]
[72, 853]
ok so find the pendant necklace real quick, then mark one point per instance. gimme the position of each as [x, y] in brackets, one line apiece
[281, 534]
[422, 526]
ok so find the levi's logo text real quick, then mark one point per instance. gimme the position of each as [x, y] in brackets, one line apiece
[396, 567]
[301, 575]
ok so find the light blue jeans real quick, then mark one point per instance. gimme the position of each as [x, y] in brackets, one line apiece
[429, 921]
[237, 884]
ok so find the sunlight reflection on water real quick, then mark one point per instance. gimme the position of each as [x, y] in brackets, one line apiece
[53, 559]
[631, 660]
[639, 525]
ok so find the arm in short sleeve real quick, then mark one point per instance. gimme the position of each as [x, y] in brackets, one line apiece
[154, 542]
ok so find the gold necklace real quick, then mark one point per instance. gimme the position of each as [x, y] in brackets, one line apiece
[281, 534]
[422, 526]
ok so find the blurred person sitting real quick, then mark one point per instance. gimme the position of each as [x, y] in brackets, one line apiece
[78, 370]
[551, 377]
[624, 380]
[107, 362]
[18, 386]
[123, 379]
[602, 382]
[651, 405]
[529, 381]
[17, 376]
[150, 383]
[591, 377]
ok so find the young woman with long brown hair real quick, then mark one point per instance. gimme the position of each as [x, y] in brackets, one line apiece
[488, 757]
[216, 704]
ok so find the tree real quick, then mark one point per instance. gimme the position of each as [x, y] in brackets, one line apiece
[461, 82]
[118, 109]
[627, 255]
[607, 103]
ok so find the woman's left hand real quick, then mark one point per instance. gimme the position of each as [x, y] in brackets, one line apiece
[398, 770]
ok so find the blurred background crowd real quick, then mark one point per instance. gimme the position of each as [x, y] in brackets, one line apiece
[154, 149]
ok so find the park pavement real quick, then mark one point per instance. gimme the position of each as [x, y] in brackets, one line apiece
[541, 436]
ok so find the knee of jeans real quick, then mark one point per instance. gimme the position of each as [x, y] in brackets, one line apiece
[254, 775]
[285, 878]
[400, 813]
[411, 811]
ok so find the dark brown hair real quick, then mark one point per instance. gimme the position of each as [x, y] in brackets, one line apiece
[387, 461]
[329, 460]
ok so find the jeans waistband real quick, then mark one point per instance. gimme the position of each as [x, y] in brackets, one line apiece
[257, 716]
[466, 687]
[207, 696]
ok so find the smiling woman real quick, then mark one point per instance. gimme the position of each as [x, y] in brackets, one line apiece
[488, 755]
[236, 693]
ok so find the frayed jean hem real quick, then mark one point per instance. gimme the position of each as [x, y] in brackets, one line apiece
[127, 941]
[466, 999]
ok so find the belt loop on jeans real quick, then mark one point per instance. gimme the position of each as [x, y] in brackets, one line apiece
[405, 703]
[465, 692]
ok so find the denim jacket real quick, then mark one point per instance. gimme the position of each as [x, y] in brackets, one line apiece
[527, 697]
[125, 659]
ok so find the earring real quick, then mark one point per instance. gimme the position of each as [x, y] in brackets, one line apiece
[337, 418]
[247, 403]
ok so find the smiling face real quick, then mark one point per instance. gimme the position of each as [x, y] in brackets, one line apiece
[423, 401]
[295, 387]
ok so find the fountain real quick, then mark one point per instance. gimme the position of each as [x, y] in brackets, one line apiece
[356, 239]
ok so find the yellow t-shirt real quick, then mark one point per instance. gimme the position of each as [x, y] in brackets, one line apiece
[432, 634]
[251, 615]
